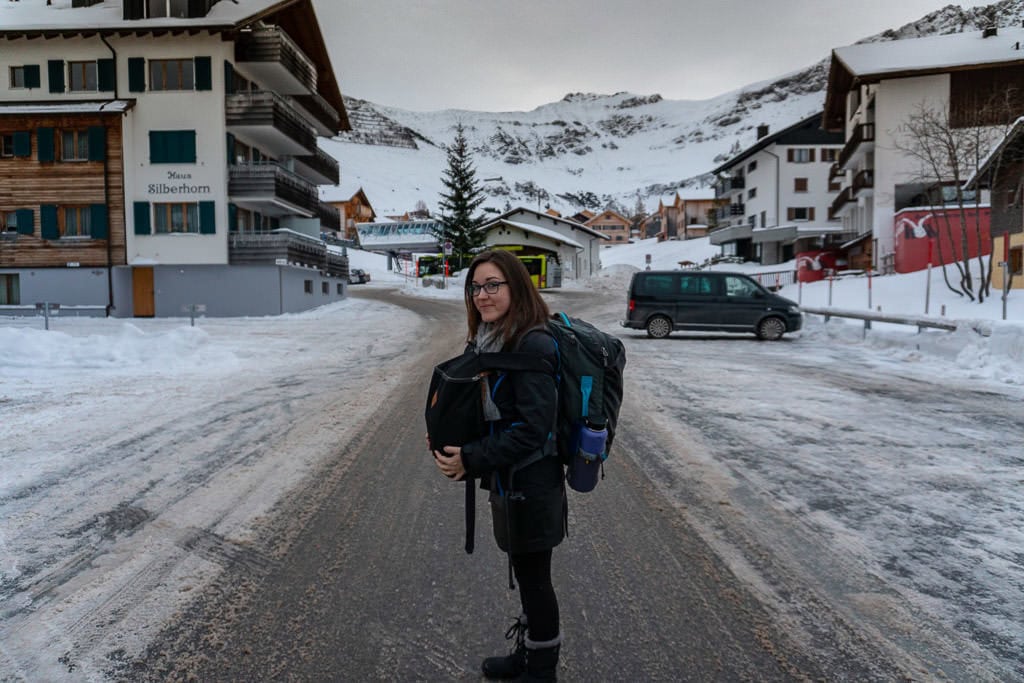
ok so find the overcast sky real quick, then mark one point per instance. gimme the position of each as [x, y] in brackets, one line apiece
[495, 55]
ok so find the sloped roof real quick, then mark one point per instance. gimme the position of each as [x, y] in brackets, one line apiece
[544, 216]
[535, 229]
[854, 65]
[35, 18]
[804, 132]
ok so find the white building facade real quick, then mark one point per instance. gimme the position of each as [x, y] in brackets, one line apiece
[774, 196]
[219, 165]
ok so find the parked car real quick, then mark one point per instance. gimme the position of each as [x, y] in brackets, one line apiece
[661, 301]
[358, 276]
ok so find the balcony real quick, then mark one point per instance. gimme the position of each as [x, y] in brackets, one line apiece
[836, 172]
[272, 190]
[729, 185]
[319, 168]
[330, 217]
[843, 200]
[729, 211]
[325, 118]
[862, 140]
[285, 246]
[271, 58]
[864, 183]
[269, 121]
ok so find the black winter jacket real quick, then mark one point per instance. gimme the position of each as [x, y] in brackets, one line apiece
[528, 505]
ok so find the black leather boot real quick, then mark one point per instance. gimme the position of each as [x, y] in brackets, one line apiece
[542, 660]
[514, 664]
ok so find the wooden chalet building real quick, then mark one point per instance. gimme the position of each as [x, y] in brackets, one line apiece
[156, 155]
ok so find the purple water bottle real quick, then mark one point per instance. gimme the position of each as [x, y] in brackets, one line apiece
[590, 453]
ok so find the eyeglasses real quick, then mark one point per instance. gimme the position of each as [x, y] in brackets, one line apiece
[490, 287]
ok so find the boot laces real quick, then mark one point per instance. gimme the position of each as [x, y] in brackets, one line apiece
[517, 631]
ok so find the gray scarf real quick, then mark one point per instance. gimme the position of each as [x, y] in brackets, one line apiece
[489, 340]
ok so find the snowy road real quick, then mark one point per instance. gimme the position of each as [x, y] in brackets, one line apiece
[872, 505]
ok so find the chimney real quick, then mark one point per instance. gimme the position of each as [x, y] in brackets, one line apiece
[989, 32]
[762, 131]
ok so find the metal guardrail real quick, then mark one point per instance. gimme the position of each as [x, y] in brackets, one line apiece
[920, 321]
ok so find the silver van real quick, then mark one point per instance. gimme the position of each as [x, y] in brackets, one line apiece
[661, 301]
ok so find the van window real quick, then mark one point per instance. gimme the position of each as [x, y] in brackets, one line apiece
[655, 285]
[739, 286]
[696, 284]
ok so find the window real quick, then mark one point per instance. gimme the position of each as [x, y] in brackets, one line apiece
[7, 145]
[696, 285]
[82, 76]
[307, 286]
[180, 217]
[167, 8]
[340, 290]
[740, 287]
[74, 145]
[829, 155]
[800, 155]
[751, 167]
[655, 285]
[8, 221]
[10, 294]
[764, 219]
[171, 74]
[752, 221]
[800, 213]
[18, 77]
[1016, 259]
[76, 222]
[325, 288]
[799, 184]
[751, 193]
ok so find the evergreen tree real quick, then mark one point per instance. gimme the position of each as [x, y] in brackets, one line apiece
[459, 218]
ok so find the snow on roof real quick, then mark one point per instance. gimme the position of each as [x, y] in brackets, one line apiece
[34, 15]
[694, 194]
[933, 52]
[1011, 135]
[67, 107]
[543, 232]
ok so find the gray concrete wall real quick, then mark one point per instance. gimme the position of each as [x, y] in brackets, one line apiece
[230, 291]
[64, 286]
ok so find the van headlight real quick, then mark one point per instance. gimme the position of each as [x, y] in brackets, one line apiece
[795, 310]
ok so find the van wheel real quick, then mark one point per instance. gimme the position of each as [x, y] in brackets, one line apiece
[659, 327]
[771, 329]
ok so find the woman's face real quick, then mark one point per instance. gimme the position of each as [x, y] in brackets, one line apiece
[492, 307]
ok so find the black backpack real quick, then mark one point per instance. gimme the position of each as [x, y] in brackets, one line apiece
[590, 384]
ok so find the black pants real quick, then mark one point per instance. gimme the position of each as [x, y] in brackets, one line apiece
[533, 573]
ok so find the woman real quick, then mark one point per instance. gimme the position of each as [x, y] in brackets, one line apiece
[516, 461]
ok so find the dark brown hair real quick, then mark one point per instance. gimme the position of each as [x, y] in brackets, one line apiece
[526, 308]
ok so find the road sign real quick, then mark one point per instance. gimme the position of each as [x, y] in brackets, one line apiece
[447, 248]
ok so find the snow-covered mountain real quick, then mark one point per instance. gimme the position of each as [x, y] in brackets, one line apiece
[588, 150]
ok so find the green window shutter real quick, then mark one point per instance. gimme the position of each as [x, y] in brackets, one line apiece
[204, 73]
[22, 144]
[44, 138]
[231, 149]
[97, 143]
[105, 75]
[157, 147]
[141, 214]
[48, 222]
[55, 72]
[26, 219]
[229, 78]
[32, 76]
[207, 218]
[136, 74]
[186, 152]
[172, 147]
[232, 218]
[98, 224]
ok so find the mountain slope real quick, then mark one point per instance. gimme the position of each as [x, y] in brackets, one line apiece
[588, 150]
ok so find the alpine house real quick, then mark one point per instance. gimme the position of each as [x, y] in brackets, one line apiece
[160, 156]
